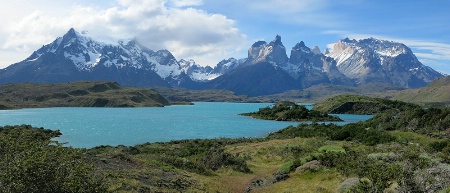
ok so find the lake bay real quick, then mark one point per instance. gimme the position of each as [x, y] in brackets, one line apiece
[90, 127]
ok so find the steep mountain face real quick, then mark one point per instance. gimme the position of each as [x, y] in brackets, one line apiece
[254, 80]
[310, 67]
[260, 74]
[268, 70]
[274, 52]
[372, 60]
[76, 56]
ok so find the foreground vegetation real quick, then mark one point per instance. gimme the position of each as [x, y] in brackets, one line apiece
[395, 151]
[290, 111]
[77, 94]
[31, 162]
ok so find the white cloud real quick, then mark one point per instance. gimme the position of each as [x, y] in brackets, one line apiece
[31, 31]
[188, 33]
[186, 3]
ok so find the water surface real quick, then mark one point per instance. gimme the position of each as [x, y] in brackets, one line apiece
[90, 127]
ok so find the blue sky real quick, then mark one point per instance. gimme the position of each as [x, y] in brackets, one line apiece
[211, 30]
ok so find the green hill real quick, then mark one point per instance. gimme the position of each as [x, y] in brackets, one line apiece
[355, 104]
[436, 93]
[77, 94]
[186, 95]
[290, 111]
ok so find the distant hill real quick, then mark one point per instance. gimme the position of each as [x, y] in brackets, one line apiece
[186, 95]
[77, 94]
[355, 104]
[321, 92]
[436, 93]
[313, 94]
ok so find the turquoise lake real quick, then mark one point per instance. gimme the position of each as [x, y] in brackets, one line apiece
[90, 127]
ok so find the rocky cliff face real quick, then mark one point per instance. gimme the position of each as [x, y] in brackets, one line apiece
[274, 52]
[310, 67]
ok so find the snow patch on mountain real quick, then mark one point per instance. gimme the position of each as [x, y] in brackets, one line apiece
[292, 69]
[200, 76]
[340, 57]
[393, 52]
[197, 72]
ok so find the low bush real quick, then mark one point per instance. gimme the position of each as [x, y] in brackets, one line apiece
[289, 166]
[216, 158]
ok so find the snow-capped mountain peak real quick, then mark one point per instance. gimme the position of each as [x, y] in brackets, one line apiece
[374, 60]
[87, 54]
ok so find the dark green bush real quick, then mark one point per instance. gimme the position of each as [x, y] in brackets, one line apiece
[439, 145]
[216, 158]
[355, 131]
[30, 162]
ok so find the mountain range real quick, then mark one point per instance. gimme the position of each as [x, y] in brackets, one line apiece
[267, 69]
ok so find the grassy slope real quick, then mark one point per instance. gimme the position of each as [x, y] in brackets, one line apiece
[436, 93]
[267, 157]
[323, 91]
[355, 104]
[77, 94]
[312, 94]
[131, 173]
[180, 94]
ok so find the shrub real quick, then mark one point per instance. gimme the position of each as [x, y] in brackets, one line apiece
[30, 162]
[216, 158]
[288, 167]
[332, 148]
[439, 145]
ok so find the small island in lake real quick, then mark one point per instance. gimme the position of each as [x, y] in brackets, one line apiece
[290, 111]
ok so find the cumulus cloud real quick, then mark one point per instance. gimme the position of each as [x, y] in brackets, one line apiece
[174, 25]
